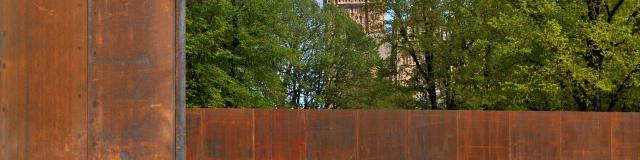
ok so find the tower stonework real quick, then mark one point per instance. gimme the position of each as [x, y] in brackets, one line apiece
[372, 21]
[361, 11]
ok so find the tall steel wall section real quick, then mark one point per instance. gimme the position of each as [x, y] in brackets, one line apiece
[91, 79]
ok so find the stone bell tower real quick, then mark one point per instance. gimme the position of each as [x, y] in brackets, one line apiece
[361, 12]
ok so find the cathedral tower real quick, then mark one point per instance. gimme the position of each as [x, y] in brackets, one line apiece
[362, 12]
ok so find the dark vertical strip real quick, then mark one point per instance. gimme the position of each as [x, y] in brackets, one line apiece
[27, 69]
[90, 88]
[180, 80]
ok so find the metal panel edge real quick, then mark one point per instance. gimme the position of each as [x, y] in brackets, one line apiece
[180, 115]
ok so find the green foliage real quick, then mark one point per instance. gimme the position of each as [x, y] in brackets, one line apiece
[468, 54]
[526, 55]
[291, 53]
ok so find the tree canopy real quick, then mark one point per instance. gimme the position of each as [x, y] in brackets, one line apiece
[467, 54]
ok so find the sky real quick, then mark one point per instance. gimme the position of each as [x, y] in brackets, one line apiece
[319, 2]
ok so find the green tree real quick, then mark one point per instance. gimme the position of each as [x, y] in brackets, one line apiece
[291, 54]
[233, 53]
[522, 55]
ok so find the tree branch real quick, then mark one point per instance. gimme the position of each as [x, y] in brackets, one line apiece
[611, 13]
[634, 14]
[622, 88]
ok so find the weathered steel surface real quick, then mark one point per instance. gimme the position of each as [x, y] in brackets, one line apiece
[401, 134]
[382, 134]
[586, 136]
[195, 118]
[57, 79]
[331, 135]
[132, 79]
[433, 135]
[13, 84]
[535, 135]
[280, 134]
[483, 135]
[234, 135]
[99, 79]
[625, 136]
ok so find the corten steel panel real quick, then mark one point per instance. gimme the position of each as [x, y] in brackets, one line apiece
[194, 132]
[432, 135]
[13, 95]
[586, 136]
[382, 134]
[132, 79]
[625, 134]
[57, 79]
[228, 134]
[331, 134]
[535, 135]
[483, 135]
[280, 134]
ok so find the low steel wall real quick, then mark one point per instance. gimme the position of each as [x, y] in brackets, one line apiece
[410, 134]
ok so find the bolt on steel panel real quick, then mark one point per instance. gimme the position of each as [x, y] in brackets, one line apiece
[535, 135]
[13, 84]
[57, 79]
[280, 134]
[432, 135]
[625, 136]
[331, 134]
[586, 136]
[132, 79]
[382, 134]
[483, 135]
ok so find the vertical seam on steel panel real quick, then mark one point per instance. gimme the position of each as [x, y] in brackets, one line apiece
[304, 125]
[407, 134]
[457, 135]
[272, 119]
[610, 134]
[202, 139]
[509, 132]
[27, 86]
[357, 149]
[253, 134]
[89, 72]
[175, 79]
[561, 145]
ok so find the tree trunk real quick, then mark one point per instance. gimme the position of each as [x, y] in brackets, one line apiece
[431, 84]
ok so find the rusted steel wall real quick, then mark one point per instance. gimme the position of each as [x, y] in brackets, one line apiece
[91, 79]
[410, 134]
